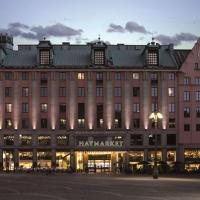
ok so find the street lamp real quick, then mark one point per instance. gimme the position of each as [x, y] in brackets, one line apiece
[155, 116]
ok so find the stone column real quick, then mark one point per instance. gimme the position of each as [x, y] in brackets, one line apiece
[127, 106]
[53, 159]
[90, 105]
[16, 158]
[34, 158]
[73, 160]
[1, 160]
[146, 154]
[164, 154]
[2, 110]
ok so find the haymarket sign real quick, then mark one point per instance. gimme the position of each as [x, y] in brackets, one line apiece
[93, 142]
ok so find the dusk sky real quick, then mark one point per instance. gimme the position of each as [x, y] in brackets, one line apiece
[117, 21]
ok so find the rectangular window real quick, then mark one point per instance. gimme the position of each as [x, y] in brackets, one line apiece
[81, 110]
[171, 76]
[197, 127]
[172, 123]
[136, 123]
[81, 92]
[8, 140]
[136, 76]
[118, 92]
[62, 108]
[81, 76]
[136, 107]
[25, 107]
[43, 107]
[44, 140]
[154, 91]
[196, 65]
[152, 139]
[186, 96]
[197, 81]
[117, 75]
[186, 80]
[99, 78]
[62, 91]
[118, 112]
[171, 92]
[172, 107]
[43, 123]
[154, 107]
[8, 75]
[8, 107]
[43, 92]
[81, 123]
[154, 76]
[62, 76]
[152, 57]
[99, 57]
[43, 78]
[136, 139]
[99, 91]
[136, 91]
[25, 76]
[62, 123]
[8, 91]
[99, 116]
[25, 91]
[8, 123]
[26, 140]
[198, 112]
[198, 96]
[44, 57]
[186, 127]
[186, 112]
[62, 140]
[25, 123]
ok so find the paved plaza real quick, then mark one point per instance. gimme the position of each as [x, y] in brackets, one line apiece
[96, 187]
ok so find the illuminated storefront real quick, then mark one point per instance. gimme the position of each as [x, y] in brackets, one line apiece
[44, 159]
[62, 160]
[192, 160]
[136, 160]
[8, 160]
[25, 159]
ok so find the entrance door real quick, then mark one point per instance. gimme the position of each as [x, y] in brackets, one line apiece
[98, 163]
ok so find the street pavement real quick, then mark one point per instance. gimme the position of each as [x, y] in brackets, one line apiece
[96, 187]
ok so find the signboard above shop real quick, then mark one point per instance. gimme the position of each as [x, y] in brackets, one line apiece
[97, 141]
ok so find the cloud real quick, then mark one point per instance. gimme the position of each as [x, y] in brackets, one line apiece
[115, 28]
[135, 27]
[38, 32]
[130, 26]
[176, 39]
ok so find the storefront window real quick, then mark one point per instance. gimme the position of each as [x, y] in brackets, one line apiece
[25, 139]
[44, 159]
[62, 140]
[25, 159]
[62, 160]
[151, 156]
[192, 160]
[8, 161]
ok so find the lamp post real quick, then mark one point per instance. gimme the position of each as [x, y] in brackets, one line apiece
[155, 116]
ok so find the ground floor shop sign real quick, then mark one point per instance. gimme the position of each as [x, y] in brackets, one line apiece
[83, 141]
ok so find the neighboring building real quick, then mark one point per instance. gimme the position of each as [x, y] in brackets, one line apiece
[88, 106]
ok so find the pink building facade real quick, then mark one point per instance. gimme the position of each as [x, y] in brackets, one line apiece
[87, 106]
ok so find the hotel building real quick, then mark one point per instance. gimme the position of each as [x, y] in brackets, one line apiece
[88, 106]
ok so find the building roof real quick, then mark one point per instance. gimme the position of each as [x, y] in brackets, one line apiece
[79, 56]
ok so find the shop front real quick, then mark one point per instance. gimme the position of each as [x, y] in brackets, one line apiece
[8, 160]
[44, 159]
[62, 160]
[192, 160]
[100, 154]
[25, 159]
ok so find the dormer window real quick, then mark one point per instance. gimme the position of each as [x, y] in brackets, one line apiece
[152, 57]
[99, 57]
[44, 57]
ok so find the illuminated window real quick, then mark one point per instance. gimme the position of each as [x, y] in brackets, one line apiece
[43, 107]
[44, 57]
[171, 92]
[136, 76]
[99, 57]
[8, 123]
[8, 107]
[25, 140]
[62, 140]
[172, 123]
[62, 123]
[81, 123]
[81, 76]
[9, 139]
[152, 57]
[25, 91]
[44, 140]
